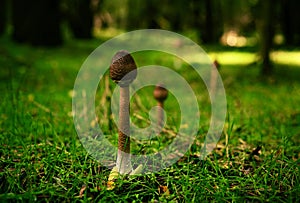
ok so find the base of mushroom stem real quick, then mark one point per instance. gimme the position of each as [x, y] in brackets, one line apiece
[114, 174]
[123, 164]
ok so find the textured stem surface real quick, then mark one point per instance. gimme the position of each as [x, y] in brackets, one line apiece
[123, 159]
[160, 116]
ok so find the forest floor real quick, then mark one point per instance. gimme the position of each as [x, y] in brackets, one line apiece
[257, 158]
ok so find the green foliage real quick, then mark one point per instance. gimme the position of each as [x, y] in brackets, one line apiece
[41, 157]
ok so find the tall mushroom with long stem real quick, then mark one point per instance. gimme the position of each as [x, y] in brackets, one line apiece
[213, 77]
[160, 93]
[123, 72]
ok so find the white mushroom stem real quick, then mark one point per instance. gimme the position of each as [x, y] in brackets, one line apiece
[123, 159]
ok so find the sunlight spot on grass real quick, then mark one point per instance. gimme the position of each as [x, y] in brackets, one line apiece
[286, 58]
[236, 58]
[241, 58]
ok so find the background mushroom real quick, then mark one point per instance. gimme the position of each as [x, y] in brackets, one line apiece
[160, 93]
[213, 77]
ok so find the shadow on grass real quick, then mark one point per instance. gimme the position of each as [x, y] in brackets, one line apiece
[286, 74]
[249, 74]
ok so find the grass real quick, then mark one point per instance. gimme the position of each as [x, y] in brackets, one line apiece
[42, 159]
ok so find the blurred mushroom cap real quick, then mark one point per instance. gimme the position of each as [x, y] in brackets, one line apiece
[160, 92]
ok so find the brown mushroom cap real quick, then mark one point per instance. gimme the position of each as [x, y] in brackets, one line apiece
[123, 68]
[160, 93]
[216, 64]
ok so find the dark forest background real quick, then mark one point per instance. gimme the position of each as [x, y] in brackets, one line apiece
[264, 24]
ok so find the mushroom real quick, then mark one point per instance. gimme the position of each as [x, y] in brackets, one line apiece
[123, 72]
[213, 77]
[160, 93]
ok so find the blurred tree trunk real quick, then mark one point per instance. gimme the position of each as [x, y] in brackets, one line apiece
[143, 14]
[81, 18]
[208, 34]
[266, 35]
[151, 21]
[20, 20]
[291, 21]
[207, 20]
[3, 14]
[133, 20]
[36, 22]
[177, 19]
